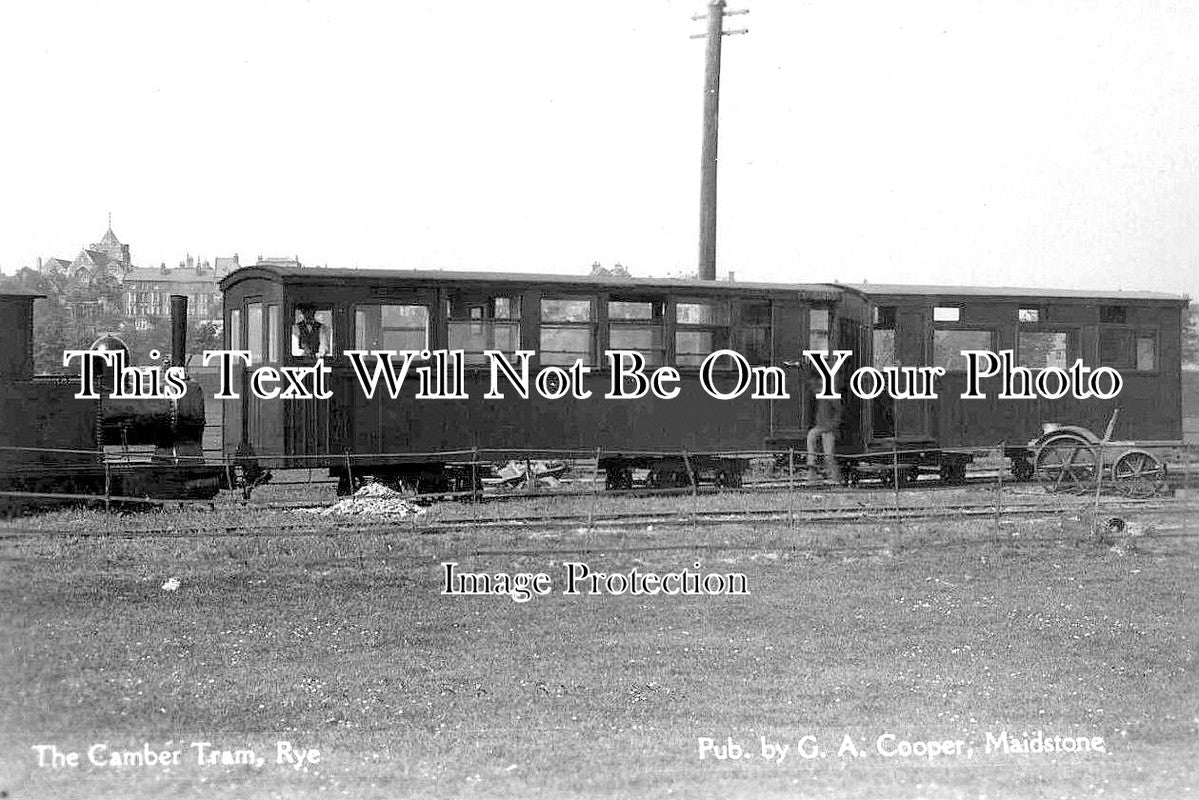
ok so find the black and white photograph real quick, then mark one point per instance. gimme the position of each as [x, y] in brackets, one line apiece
[676, 398]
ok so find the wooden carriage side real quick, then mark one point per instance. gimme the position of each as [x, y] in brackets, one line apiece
[673, 322]
[1136, 333]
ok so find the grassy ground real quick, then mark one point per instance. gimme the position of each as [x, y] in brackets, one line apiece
[346, 645]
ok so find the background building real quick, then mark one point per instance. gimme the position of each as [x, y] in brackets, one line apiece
[148, 290]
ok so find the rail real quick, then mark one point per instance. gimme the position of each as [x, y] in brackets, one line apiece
[777, 472]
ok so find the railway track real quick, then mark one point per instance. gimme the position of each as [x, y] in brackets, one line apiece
[412, 525]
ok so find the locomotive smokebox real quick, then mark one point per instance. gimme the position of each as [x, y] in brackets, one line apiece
[178, 330]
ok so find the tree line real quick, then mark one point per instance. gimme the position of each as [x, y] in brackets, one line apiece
[78, 310]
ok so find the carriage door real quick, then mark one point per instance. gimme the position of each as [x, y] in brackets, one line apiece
[771, 333]
[312, 336]
[882, 408]
[851, 335]
[913, 332]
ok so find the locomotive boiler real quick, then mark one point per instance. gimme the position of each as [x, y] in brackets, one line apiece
[54, 443]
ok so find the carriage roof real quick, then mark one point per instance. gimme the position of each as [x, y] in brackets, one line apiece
[318, 276]
[1010, 293]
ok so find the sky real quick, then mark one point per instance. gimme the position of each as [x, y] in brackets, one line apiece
[1043, 143]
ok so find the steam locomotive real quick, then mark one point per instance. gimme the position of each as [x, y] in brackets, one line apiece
[52, 443]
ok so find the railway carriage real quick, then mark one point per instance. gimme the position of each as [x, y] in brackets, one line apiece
[290, 315]
[1138, 334]
[285, 315]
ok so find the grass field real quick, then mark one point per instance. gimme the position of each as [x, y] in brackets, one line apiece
[345, 644]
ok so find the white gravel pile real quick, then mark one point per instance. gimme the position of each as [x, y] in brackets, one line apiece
[373, 499]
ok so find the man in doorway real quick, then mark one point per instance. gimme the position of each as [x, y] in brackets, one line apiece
[826, 427]
[824, 432]
[309, 338]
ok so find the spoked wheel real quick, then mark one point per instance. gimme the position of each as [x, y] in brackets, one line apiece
[1066, 463]
[1138, 474]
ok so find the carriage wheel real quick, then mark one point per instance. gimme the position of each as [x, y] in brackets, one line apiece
[1022, 468]
[619, 478]
[1066, 463]
[953, 473]
[853, 477]
[1138, 474]
[729, 478]
[907, 476]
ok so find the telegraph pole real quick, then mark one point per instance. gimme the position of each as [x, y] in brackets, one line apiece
[707, 185]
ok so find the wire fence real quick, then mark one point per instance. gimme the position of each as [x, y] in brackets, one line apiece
[580, 474]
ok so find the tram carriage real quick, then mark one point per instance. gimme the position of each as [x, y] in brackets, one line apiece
[287, 314]
[1067, 441]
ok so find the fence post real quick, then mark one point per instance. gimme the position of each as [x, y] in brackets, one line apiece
[999, 491]
[690, 474]
[1099, 480]
[895, 475]
[694, 485]
[475, 484]
[107, 486]
[349, 472]
[1186, 493]
[594, 491]
[791, 487]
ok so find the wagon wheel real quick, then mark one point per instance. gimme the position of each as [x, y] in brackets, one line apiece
[1138, 474]
[1066, 463]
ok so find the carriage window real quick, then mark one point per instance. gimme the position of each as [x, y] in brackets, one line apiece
[484, 323]
[1124, 348]
[254, 331]
[1029, 315]
[235, 329]
[312, 332]
[1040, 349]
[1146, 352]
[884, 316]
[884, 348]
[818, 329]
[700, 329]
[567, 332]
[947, 314]
[752, 337]
[1114, 315]
[637, 325]
[391, 327]
[948, 347]
[1116, 348]
[884, 337]
[272, 333]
